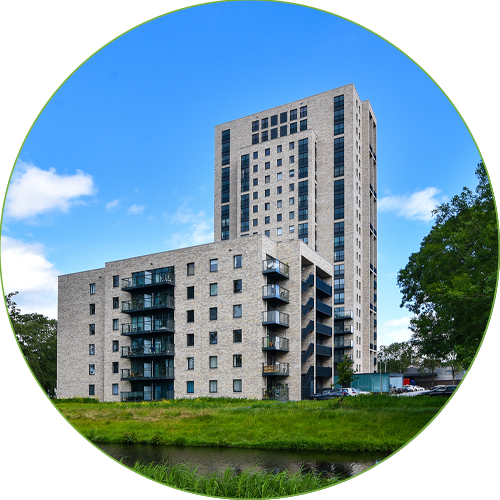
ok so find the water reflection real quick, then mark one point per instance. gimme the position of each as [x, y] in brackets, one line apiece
[207, 460]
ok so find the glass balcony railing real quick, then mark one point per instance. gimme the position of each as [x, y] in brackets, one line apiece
[275, 318]
[141, 351]
[165, 325]
[279, 369]
[274, 266]
[344, 344]
[145, 303]
[275, 292]
[275, 344]
[157, 373]
[339, 330]
[148, 279]
[338, 358]
[138, 396]
[275, 393]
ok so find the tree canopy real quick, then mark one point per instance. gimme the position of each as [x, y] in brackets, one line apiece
[449, 284]
[37, 338]
[345, 372]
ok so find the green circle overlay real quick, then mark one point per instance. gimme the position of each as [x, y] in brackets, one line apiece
[205, 495]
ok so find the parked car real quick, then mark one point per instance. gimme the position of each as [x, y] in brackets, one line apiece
[329, 394]
[351, 391]
[445, 391]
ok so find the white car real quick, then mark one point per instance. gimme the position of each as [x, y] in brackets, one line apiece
[354, 392]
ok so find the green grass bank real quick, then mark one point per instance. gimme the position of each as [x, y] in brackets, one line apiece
[362, 423]
[20, 482]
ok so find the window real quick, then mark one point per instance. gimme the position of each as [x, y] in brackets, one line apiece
[255, 196]
[267, 233]
[190, 363]
[91, 390]
[291, 187]
[291, 229]
[339, 270]
[255, 126]
[279, 162]
[92, 308]
[92, 288]
[338, 298]
[291, 146]
[190, 339]
[114, 389]
[190, 316]
[190, 292]
[279, 231]
[267, 206]
[237, 360]
[237, 385]
[114, 367]
[237, 261]
[293, 128]
[237, 286]
[303, 111]
[91, 349]
[267, 151]
[267, 179]
[213, 337]
[283, 130]
[279, 176]
[237, 336]
[116, 281]
[303, 125]
[115, 345]
[274, 120]
[190, 387]
[255, 209]
[279, 190]
[291, 159]
[291, 215]
[255, 222]
[338, 255]
[293, 114]
[283, 117]
[255, 155]
[255, 138]
[214, 265]
[237, 310]
[256, 182]
[267, 220]
[291, 173]
[190, 269]
[91, 369]
[213, 313]
[213, 289]
[212, 386]
[264, 136]
[255, 168]
[291, 201]
[279, 203]
[279, 217]
[267, 192]
[116, 302]
[264, 122]
[92, 329]
[116, 324]
[212, 361]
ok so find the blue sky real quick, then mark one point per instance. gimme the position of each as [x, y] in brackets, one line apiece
[120, 161]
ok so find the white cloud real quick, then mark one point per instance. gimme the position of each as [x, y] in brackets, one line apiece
[136, 209]
[394, 330]
[26, 270]
[381, 8]
[417, 206]
[33, 191]
[199, 227]
[111, 205]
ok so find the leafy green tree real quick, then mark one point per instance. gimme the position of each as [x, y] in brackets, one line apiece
[398, 356]
[345, 372]
[37, 338]
[449, 284]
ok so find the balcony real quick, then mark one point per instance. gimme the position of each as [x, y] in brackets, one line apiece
[275, 344]
[275, 268]
[138, 396]
[343, 330]
[323, 350]
[147, 303]
[275, 393]
[323, 371]
[343, 315]
[277, 318]
[140, 352]
[155, 374]
[150, 327]
[323, 308]
[323, 329]
[275, 292]
[308, 329]
[323, 287]
[343, 344]
[275, 369]
[148, 280]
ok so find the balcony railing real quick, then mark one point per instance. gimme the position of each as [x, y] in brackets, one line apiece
[275, 344]
[338, 358]
[323, 371]
[323, 308]
[276, 267]
[345, 344]
[142, 304]
[275, 292]
[152, 279]
[346, 329]
[343, 315]
[324, 287]
[275, 393]
[279, 369]
[164, 350]
[137, 396]
[323, 329]
[275, 318]
[160, 326]
[323, 350]
[153, 374]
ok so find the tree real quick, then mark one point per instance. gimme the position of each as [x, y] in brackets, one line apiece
[398, 356]
[37, 338]
[345, 372]
[449, 284]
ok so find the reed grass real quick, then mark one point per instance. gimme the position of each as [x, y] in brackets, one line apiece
[362, 423]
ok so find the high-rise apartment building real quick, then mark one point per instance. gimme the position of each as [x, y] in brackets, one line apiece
[308, 170]
[270, 308]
